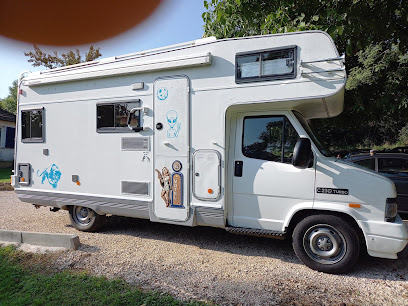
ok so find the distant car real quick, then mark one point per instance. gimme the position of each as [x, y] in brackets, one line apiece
[391, 165]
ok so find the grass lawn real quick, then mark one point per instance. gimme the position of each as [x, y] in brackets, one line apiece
[5, 175]
[22, 285]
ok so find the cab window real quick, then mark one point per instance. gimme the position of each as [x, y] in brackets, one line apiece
[271, 138]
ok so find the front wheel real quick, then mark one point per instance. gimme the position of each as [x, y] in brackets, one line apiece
[85, 219]
[326, 243]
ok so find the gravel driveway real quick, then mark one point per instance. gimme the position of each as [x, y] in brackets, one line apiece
[210, 264]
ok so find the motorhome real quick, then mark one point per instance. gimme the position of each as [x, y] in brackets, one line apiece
[206, 133]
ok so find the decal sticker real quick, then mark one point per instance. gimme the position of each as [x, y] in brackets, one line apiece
[177, 166]
[332, 191]
[52, 174]
[145, 157]
[177, 190]
[175, 126]
[162, 93]
[172, 186]
[165, 182]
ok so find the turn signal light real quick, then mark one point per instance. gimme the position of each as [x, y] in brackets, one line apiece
[354, 205]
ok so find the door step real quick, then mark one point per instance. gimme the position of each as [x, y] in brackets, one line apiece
[256, 232]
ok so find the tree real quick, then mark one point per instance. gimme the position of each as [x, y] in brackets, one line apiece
[50, 61]
[10, 102]
[382, 20]
[373, 34]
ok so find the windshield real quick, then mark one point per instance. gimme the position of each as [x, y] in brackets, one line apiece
[309, 130]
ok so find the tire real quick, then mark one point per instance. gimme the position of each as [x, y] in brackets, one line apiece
[326, 243]
[85, 219]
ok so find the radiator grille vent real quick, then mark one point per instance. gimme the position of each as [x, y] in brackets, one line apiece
[135, 143]
[141, 188]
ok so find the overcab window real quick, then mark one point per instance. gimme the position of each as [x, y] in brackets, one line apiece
[32, 125]
[114, 117]
[266, 65]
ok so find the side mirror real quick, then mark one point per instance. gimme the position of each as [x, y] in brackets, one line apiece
[302, 153]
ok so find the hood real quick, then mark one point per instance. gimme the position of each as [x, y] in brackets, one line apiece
[352, 184]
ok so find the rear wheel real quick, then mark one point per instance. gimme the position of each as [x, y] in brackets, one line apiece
[85, 219]
[326, 243]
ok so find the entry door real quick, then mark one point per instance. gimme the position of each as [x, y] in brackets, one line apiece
[266, 186]
[171, 148]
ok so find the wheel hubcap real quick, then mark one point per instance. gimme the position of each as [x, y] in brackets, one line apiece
[324, 244]
[83, 215]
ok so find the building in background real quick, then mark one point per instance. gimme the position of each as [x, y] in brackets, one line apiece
[7, 134]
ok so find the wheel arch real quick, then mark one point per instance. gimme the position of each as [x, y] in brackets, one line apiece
[301, 214]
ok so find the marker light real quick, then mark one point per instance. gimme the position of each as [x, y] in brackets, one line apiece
[210, 191]
[354, 205]
[78, 183]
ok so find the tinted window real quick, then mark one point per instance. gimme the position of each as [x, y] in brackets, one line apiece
[106, 116]
[393, 165]
[367, 163]
[36, 124]
[115, 116]
[32, 125]
[270, 138]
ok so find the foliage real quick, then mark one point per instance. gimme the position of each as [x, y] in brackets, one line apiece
[383, 19]
[373, 35]
[40, 58]
[10, 102]
[20, 286]
[50, 61]
[5, 174]
[403, 136]
[376, 100]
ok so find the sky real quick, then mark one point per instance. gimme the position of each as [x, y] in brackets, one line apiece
[174, 21]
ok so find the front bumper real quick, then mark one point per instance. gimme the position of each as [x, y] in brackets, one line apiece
[385, 239]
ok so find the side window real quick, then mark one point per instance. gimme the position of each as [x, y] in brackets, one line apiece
[32, 125]
[266, 65]
[393, 165]
[114, 117]
[270, 138]
[367, 163]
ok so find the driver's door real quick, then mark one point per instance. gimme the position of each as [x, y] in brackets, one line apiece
[266, 186]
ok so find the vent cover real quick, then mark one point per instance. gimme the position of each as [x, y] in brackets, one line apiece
[135, 143]
[141, 188]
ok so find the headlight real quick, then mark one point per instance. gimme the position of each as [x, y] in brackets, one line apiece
[390, 209]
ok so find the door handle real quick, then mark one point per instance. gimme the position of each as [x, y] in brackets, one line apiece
[238, 168]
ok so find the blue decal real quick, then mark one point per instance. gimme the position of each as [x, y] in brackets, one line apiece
[52, 174]
[174, 130]
[162, 93]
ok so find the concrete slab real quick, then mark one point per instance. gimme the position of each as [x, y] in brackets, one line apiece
[68, 241]
[10, 236]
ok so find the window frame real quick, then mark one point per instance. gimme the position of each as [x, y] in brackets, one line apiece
[33, 139]
[284, 123]
[115, 129]
[291, 75]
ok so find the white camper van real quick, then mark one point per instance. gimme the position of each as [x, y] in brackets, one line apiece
[206, 133]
